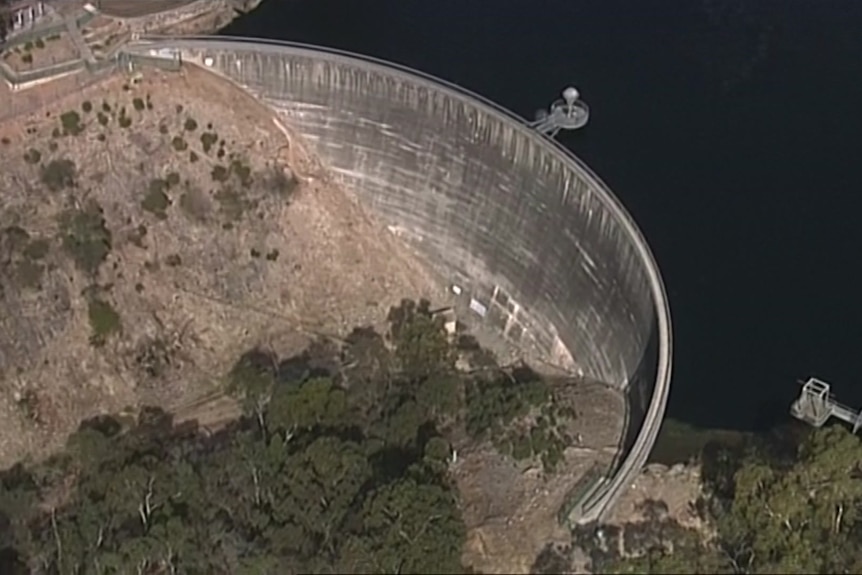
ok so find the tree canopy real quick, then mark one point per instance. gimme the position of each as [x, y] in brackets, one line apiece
[776, 508]
[338, 465]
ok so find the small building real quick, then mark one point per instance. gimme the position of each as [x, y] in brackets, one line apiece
[22, 14]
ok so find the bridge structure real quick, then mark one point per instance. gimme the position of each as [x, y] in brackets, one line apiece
[816, 404]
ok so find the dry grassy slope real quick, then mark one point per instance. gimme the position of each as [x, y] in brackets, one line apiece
[199, 281]
[659, 492]
[678, 487]
[511, 508]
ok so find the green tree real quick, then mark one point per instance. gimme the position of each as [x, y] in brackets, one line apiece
[251, 380]
[411, 528]
[316, 402]
[86, 237]
[339, 464]
[775, 514]
[797, 518]
[421, 344]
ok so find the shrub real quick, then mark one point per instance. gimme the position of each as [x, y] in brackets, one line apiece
[33, 156]
[284, 184]
[179, 144]
[71, 122]
[190, 125]
[219, 173]
[87, 106]
[208, 140]
[104, 321]
[173, 179]
[138, 104]
[156, 201]
[59, 174]
[27, 58]
[242, 171]
[103, 119]
[86, 237]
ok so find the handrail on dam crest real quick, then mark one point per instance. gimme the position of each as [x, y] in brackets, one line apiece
[617, 479]
[568, 113]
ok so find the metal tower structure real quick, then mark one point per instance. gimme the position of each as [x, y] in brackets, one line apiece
[568, 113]
[816, 404]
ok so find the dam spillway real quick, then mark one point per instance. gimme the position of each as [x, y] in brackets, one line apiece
[533, 243]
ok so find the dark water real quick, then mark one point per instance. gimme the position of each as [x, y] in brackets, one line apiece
[732, 130]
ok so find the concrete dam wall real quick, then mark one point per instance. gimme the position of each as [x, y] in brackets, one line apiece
[532, 242]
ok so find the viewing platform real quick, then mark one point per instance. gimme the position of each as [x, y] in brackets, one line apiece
[816, 404]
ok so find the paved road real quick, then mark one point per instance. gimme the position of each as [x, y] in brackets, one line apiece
[136, 8]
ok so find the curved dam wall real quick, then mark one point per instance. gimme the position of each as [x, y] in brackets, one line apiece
[532, 242]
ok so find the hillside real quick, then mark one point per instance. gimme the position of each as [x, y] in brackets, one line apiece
[154, 228]
[160, 230]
